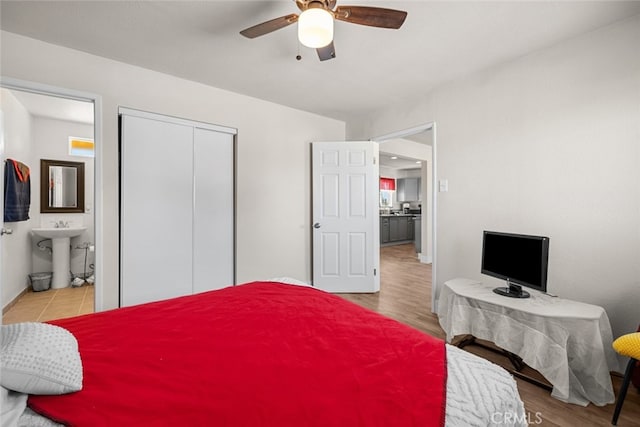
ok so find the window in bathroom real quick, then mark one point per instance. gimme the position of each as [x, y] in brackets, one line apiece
[82, 147]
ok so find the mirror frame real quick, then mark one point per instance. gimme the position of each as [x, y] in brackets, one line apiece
[44, 186]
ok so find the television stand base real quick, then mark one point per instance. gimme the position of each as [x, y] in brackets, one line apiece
[508, 292]
[516, 361]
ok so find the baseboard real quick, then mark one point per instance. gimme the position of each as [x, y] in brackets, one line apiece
[14, 301]
[425, 259]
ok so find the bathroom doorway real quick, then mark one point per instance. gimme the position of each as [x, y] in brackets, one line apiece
[42, 122]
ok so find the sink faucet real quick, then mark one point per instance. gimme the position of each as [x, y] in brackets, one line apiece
[62, 224]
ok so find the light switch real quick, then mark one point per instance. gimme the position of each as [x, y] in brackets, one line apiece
[443, 185]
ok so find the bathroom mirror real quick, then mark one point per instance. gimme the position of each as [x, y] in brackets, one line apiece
[61, 186]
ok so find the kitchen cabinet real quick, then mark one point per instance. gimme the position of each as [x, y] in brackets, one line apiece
[417, 228]
[408, 189]
[410, 229]
[384, 230]
[396, 229]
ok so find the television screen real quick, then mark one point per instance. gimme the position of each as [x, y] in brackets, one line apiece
[519, 259]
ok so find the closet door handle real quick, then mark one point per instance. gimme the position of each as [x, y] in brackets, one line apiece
[316, 225]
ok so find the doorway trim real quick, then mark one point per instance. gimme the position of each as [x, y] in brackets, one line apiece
[429, 126]
[43, 89]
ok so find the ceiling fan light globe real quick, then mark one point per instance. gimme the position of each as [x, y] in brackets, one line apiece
[315, 28]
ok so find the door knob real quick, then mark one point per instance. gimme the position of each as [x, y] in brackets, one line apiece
[6, 231]
[316, 225]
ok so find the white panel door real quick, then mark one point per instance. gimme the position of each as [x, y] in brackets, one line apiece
[156, 210]
[345, 217]
[213, 218]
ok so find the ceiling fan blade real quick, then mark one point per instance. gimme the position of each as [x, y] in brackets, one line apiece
[327, 52]
[372, 16]
[269, 26]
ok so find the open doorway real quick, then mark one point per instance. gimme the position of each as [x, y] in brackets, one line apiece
[44, 125]
[405, 148]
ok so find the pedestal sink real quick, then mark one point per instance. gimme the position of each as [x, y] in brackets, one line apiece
[61, 239]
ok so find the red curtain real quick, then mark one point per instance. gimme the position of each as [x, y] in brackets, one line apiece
[387, 184]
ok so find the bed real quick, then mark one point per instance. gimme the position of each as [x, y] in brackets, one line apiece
[259, 354]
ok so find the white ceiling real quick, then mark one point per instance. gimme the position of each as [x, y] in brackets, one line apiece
[200, 41]
[394, 161]
[55, 108]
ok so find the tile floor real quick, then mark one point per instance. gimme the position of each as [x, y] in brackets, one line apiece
[51, 304]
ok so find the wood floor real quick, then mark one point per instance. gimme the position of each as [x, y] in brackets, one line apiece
[405, 295]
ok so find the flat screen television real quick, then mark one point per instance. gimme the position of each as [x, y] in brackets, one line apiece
[520, 259]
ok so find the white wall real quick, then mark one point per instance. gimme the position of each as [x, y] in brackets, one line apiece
[16, 132]
[273, 164]
[51, 141]
[546, 144]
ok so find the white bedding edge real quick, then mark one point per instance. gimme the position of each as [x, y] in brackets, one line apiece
[480, 393]
[289, 281]
[12, 404]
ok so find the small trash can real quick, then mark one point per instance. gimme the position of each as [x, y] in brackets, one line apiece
[40, 281]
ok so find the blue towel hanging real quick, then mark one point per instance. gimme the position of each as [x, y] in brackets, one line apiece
[17, 191]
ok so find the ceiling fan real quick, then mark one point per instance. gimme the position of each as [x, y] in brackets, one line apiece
[315, 23]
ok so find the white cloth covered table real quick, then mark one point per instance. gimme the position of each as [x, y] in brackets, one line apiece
[568, 342]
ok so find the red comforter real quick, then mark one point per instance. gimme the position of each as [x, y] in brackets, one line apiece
[260, 354]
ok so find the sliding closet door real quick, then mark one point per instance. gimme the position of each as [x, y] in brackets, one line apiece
[156, 210]
[177, 207]
[213, 219]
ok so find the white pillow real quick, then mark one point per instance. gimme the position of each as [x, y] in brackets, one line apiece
[38, 358]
